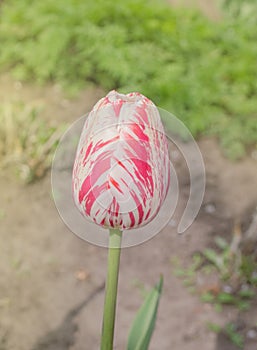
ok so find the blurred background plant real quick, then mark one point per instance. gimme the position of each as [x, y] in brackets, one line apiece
[225, 276]
[240, 7]
[232, 267]
[27, 142]
[200, 70]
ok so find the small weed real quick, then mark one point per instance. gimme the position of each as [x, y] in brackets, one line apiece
[2, 214]
[214, 327]
[141, 287]
[218, 264]
[207, 297]
[246, 294]
[16, 263]
[235, 337]
[230, 331]
[26, 141]
[179, 272]
[218, 308]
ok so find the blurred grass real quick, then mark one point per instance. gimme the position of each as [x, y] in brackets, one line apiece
[27, 142]
[201, 71]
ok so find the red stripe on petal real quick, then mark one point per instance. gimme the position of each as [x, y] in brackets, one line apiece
[84, 188]
[117, 107]
[92, 195]
[140, 213]
[144, 173]
[87, 152]
[139, 207]
[102, 222]
[137, 130]
[142, 114]
[101, 144]
[115, 184]
[147, 215]
[132, 219]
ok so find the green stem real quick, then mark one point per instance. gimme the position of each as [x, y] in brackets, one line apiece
[111, 289]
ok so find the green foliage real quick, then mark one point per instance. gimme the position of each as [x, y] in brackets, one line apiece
[214, 327]
[240, 7]
[230, 331]
[221, 263]
[235, 337]
[141, 287]
[248, 269]
[229, 266]
[143, 325]
[26, 141]
[201, 71]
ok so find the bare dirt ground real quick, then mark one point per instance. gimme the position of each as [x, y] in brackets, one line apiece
[51, 282]
[210, 8]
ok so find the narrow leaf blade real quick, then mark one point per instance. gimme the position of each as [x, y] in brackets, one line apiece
[143, 325]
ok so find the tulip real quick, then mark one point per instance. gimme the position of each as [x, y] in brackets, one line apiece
[120, 177]
[121, 170]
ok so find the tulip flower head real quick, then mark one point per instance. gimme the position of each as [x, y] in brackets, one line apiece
[121, 171]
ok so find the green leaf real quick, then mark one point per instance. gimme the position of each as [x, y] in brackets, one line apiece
[243, 305]
[221, 243]
[143, 325]
[207, 297]
[212, 256]
[247, 294]
[214, 327]
[180, 272]
[234, 336]
[226, 298]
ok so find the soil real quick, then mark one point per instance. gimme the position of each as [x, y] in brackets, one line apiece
[209, 8]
